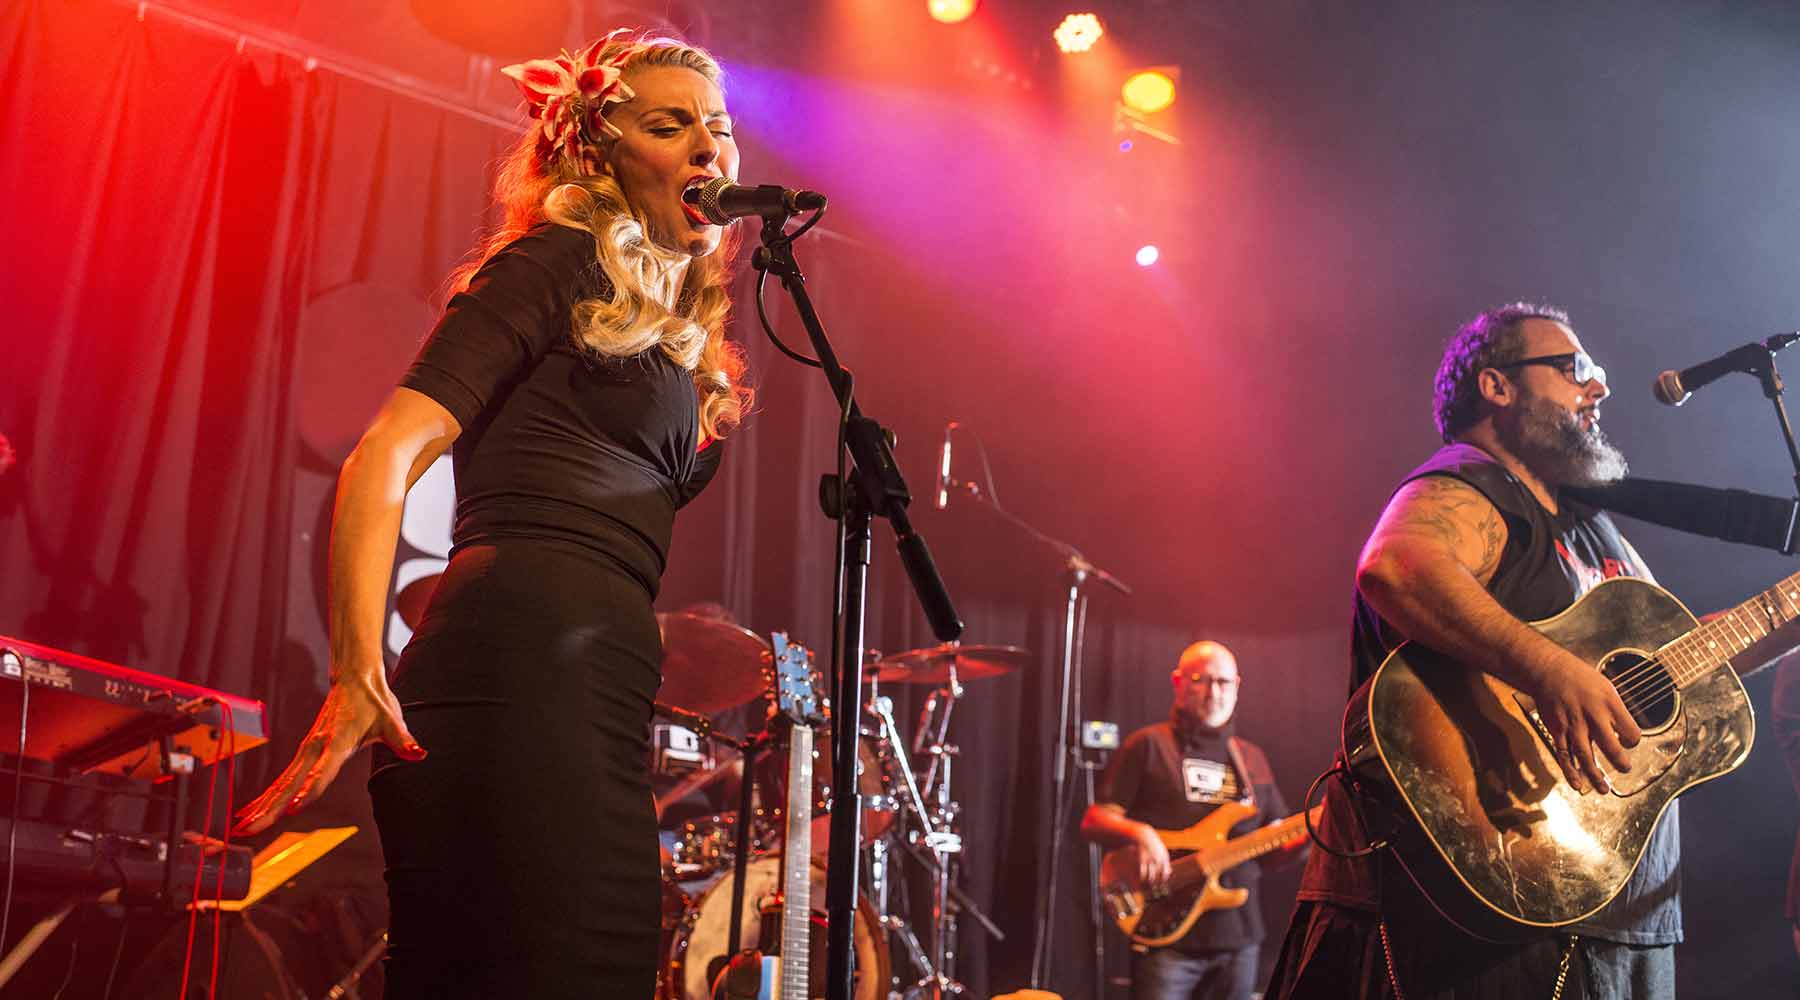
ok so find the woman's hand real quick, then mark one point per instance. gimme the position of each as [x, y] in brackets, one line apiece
[359, 709]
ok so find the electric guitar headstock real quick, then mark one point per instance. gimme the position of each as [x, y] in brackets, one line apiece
[795, 698]
[797, 703]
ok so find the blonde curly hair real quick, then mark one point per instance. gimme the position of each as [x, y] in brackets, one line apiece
[536, 183]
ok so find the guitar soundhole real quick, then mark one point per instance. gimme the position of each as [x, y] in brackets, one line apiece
[1645, 686]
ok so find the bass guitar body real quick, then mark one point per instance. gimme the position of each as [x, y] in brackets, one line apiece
[1157, 917]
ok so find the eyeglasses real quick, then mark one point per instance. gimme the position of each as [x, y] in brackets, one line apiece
[1219, 682]
[1575, 366]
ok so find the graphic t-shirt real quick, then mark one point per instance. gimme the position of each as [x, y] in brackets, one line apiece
[1172, 784]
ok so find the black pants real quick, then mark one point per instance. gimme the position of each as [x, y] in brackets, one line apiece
[522, 853]
[1335, 953]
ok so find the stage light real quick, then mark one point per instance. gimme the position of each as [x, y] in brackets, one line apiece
[1148, 91]
[1077, 33]
[950, 11]
[1125, 146]
[1147, 255]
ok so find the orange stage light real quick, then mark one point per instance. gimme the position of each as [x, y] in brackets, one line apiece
[950, 11]
[1148, 90]
[1078, 33]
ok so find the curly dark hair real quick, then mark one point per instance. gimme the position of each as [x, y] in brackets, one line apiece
[1489, 340]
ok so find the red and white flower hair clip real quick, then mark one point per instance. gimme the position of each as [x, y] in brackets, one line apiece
[568, 95]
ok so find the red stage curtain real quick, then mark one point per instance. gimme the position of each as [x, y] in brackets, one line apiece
[218, 262]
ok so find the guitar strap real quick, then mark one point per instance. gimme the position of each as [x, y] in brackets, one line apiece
[1247, 783]
[1732, 515]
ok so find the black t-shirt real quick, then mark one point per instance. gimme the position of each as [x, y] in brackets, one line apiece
[1548, 563]
[556, 443]
[1172, 784]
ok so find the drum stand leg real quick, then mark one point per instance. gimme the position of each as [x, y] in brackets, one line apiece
[914, 949]
[942, 841]
[741, 864]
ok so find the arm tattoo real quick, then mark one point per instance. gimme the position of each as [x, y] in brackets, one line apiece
[1493, 541]
[1447, 509]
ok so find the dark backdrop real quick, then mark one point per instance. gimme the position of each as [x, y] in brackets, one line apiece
[222, 251]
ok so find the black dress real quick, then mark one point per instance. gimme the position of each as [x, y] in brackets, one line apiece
[522, 853]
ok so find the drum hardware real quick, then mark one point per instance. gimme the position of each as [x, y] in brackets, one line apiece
[704, 847]
[750, 748]
[677, 750]
[964, 902]
[696, 782]
[889, 788]
[933, 807]
[914, 950]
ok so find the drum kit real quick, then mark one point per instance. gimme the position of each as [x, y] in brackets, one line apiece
[909, 814]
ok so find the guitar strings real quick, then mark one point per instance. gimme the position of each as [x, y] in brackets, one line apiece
[1652, 679]
[1648, 681]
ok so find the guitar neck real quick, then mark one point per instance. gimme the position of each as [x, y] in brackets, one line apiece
[1702, 650]
[796, 868]
[1236, 851]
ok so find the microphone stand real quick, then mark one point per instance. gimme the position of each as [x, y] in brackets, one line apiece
[873, 488]
[1764, 369]
[1078, 572]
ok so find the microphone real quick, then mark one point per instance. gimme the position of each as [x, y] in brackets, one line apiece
[943, 479]
[720, 202]
[1674, 387]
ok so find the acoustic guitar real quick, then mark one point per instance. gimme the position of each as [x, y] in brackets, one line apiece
[1487, 827]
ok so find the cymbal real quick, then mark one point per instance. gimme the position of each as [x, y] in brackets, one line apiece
[931, 665]
[709, 665]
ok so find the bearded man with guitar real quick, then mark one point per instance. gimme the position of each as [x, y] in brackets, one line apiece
[1167, 779]
[1537, 749]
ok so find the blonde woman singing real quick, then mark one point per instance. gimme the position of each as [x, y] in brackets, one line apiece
[581, 378]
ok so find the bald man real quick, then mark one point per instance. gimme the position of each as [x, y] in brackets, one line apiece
[1169, 776]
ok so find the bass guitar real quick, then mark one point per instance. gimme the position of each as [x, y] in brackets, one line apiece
[1486, 826]
[1162, 915]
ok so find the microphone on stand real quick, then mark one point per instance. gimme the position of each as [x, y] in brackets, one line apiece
[943, 479]
[721, 202]
[1674, 387]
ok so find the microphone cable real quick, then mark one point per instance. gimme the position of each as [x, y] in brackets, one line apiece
[762, 274]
